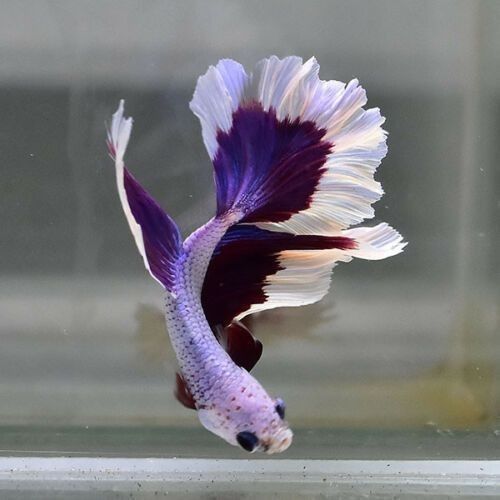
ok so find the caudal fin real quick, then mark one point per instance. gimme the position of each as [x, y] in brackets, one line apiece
[290, 151]
[294, 157]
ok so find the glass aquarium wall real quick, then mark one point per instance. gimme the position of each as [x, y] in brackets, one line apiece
[408, 346]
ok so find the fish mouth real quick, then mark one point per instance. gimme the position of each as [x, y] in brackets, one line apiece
[278, 443]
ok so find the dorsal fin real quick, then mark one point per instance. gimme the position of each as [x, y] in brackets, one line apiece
[156, 234]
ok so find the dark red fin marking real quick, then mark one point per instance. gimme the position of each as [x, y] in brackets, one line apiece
[237, 340]
[182, 393]
[243, 259]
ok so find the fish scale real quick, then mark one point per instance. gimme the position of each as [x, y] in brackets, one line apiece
[201, 358]
[293, 158]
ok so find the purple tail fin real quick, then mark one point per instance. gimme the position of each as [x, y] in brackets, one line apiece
[266, 168]
[291, 152]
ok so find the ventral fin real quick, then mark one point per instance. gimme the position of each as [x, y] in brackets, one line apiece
[182, 393]
[237, 340]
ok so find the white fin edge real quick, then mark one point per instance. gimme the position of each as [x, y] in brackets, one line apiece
[375, 243]
[304, 279]
[118, 137]
[217, 95]
[306, 275]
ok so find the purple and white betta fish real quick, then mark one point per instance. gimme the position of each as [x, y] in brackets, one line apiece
[294, 159]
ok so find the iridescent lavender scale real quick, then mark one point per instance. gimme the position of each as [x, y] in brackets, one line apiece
[225, 394]
[294, 159]
[265, 170]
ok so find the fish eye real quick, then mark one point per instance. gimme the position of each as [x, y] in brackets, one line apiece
[280, 408]
[247, 440]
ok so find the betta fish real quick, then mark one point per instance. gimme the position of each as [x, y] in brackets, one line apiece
[293, 161]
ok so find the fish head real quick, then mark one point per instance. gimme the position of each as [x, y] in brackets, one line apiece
[246, 416]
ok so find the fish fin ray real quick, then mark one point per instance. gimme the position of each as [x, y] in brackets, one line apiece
[290, 151]
[376, 243]
[249, 260]
[254, 270]
[156, 235]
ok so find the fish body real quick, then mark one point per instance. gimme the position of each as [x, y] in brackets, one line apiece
[226, 396]
[293, 159]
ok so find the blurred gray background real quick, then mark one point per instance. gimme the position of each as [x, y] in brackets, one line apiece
[404, 343]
